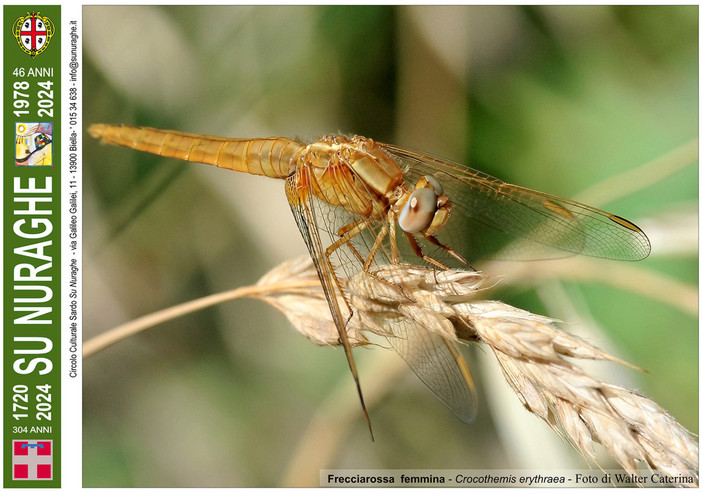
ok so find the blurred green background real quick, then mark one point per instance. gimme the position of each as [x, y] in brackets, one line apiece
[554, 98]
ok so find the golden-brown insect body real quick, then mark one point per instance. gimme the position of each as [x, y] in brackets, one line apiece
[272, 157]
[353, 173]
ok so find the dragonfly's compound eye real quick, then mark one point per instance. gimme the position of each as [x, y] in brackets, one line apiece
[419, 210]
[438, 189]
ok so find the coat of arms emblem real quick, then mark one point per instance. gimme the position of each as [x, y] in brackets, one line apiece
[33, 33]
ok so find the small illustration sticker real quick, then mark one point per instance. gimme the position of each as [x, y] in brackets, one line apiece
[33, 144]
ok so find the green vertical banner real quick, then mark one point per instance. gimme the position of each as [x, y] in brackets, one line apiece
[31, 246]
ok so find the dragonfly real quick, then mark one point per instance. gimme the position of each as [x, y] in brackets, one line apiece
[359, 204]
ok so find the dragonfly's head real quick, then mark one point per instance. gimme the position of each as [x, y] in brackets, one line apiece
[426, 209]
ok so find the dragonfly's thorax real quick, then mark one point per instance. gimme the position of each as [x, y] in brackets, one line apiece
[352, 172]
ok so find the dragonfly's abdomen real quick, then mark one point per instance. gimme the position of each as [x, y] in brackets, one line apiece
[272, 157]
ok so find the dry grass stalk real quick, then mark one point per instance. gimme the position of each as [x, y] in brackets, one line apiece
[530, 349]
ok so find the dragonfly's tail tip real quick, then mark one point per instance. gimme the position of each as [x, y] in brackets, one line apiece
[96, 130]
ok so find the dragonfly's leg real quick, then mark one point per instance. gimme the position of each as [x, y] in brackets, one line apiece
[418, 251]
[376, 246]
[374, 250]
[355, 252]
[342, 232]
[345, 229]
[394, 251]
[438, 243]
[346, 233]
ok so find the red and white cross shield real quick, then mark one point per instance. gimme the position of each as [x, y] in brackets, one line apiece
[33, 33]
[32, 460]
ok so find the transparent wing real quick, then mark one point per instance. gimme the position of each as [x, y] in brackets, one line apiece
[493, 214]
[438, 364]
[305, 214]
[489, 218]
